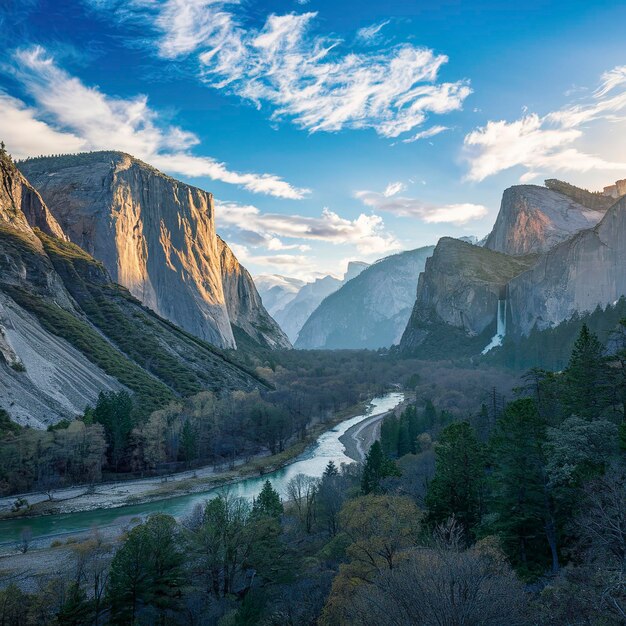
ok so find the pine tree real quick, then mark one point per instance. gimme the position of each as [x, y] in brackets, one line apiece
[404, 439]
[429, 415]
[146, 570]
[188, 442]
[520, 500]
[268, 503]
[586, 377]
[331, 469]
[458, 485]
[377, 466]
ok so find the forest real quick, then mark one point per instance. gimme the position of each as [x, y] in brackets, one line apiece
[115, 439]
[511, 511]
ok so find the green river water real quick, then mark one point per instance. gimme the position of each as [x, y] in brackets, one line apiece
[311, 463]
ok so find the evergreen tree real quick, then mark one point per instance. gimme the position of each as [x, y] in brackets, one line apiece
[331, 469]
[586, 393]
[377, 466]
[458, 485]
[114, 412]
[76, 609]
[146, 570]
[524, 512]
[389, 430]
[268, 503]
[429, 415]
[188, 442]
[404, 440]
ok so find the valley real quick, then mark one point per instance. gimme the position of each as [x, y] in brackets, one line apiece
[312, 313]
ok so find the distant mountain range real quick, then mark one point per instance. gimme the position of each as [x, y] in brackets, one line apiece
[292, 308]
[369, 311]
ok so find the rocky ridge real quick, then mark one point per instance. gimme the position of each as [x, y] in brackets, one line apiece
[155, 236]
[369, 311]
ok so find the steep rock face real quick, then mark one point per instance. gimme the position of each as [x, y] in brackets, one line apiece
[370, 310]
[277, 291]
[67, 332]
[244, 305]
[534, 219]
[460, 286]
[22, 206]
[297, 311]
[155, 235]
[578, 275]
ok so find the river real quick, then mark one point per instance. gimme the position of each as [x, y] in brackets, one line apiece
[311, 463]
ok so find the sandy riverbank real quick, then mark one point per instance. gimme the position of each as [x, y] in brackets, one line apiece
[358, 439]
[139, 491]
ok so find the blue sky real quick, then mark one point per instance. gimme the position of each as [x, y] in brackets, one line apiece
[327, 131]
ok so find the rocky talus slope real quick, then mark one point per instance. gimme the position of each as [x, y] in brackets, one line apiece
[68, 332]
[370, 310]
[155, 236]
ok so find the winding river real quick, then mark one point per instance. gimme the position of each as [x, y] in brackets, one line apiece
[311, 463]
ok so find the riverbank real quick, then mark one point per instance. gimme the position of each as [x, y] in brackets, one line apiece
[144, 490]
[358, 439]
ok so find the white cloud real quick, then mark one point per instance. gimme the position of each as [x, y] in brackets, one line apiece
[296, 265]
[301, 76]
[83, 118]
[457, 214]
[425, 134]
[548, 143]
[394, 188]
[25, 135]
[369, 33]
[366, 232]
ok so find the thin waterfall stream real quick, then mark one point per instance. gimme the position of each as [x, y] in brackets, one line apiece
[496, 340]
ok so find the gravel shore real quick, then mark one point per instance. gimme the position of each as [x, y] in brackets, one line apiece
[358, 439]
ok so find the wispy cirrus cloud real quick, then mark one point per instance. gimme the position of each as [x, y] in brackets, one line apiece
[366, 233]
[371, 33]
[548, 143]
[304, 77]
[71, 116]
[426, 134]
[457, 214]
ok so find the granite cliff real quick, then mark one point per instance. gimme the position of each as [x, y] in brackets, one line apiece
[460, 287]
[155, 236]
[67, 331]
[369, 311]
[584, 272]
[533, 219]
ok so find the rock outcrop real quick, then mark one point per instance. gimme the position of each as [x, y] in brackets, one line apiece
[587, 271]
[156, 236]
[533, 219]
[460, 287]
[369, 311]
[68, 332]
[244, 305]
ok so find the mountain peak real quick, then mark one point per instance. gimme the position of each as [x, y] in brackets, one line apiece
[533, 219]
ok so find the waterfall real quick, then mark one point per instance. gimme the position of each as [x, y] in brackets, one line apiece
[496, 340]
